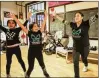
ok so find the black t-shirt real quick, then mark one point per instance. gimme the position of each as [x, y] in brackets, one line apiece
[12, 35]
[80, 34]
[35, 39]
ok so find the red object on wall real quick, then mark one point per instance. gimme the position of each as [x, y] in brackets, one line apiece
[52, 9]
[23, 36]
[57, 3]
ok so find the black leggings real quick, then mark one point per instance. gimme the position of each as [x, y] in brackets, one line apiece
[32, 54]
[9, 53]
[84, 54]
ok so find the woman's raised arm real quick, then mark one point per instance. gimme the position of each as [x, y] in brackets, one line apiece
[19, 23]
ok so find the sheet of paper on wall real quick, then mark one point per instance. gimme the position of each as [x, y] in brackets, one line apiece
[5, 21]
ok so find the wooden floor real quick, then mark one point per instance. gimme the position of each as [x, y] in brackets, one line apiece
[56, 67]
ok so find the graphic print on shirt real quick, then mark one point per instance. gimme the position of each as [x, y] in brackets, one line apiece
[10, 35]
[76, 33]
[35, 39]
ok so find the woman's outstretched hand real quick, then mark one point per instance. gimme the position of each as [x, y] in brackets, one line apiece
[29, 15]
[45, 12]
[12, 15]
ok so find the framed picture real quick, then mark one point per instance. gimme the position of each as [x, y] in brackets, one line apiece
[6, 14]
[6, 18]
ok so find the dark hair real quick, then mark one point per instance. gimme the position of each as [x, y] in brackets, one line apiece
[13, 21]
[80, 13]
[31, 25]
[20, 14]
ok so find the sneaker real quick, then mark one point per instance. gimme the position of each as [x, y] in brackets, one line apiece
[85, 69]
[27, 76]
[1, 52]
[24, 73]
[8, 76]
[46, 74]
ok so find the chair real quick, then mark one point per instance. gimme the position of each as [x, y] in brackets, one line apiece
[63, 51]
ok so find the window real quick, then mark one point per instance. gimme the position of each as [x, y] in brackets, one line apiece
[37, 10]
[40, 18]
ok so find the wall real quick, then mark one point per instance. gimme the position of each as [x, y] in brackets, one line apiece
[8, 6]
[12, 7]
[76, 6]
[81, 5]
[0, 10]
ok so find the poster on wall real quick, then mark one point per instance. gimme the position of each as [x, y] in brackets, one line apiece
[6, 14]
[6, 18]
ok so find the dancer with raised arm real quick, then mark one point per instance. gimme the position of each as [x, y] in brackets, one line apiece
[80, 36]
[35, 47]
[12, 37]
